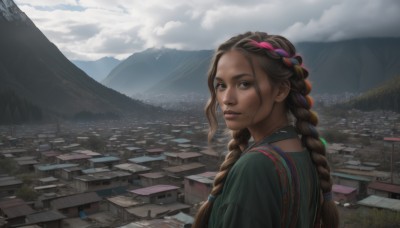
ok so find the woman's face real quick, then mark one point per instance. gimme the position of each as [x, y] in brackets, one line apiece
[236, 92]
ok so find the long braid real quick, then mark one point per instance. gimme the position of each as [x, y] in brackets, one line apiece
[239, 139]
[300, 104]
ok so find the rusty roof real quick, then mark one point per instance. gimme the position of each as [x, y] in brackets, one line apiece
[154, 189]
[387, 187]
[75, 200]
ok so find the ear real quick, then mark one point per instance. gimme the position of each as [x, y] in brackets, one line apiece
[283, 91]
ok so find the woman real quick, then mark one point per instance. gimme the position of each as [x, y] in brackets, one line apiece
[282, 178]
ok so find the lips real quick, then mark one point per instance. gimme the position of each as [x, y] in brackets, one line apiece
[230, 115]
[230, 112]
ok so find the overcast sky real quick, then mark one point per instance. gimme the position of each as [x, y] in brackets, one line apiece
[91, 29]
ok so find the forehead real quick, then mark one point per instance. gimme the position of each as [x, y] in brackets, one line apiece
[232, 61]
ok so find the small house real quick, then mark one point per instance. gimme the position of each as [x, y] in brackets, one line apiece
[108, 161]
[154, 178]
[152, 162]
[9, 185]
[182, 158]
[180, 171]
[198, 187]
[48, 219]
[384, 189]
[103, 183]
[77, 205]
[343, 193]
[156, 194]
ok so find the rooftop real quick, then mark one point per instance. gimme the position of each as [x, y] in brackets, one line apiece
[104, 159]
[103, 176]
[343, 189]
[75, 200]
[123, 201]
[154, 189]
[49, 167]
[185, 167]
[73, 156]
[132, 167]
[143, 159]
[381, 202]
[387, 187]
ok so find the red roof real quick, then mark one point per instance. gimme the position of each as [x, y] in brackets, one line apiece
[387, 187]
[391, 139]
[342, 189]
[154, 189]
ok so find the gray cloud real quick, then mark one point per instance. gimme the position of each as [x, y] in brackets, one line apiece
[122, 27]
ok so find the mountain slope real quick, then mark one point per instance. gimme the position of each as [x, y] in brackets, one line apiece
[98, 69]
[189, 77]
[385, 97]
[351, 65]
[335, 67]
[34, 68]
[143, 70]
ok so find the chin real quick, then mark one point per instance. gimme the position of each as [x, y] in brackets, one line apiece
[234, 127]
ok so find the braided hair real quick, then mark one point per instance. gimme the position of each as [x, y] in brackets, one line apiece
[283, 65]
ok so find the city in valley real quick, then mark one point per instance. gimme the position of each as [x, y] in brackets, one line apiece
[155, 173]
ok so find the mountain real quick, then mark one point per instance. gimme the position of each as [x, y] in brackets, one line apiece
[33, 68]
[345, 66]
[98, 69]
[352, 65]
[386, 97]
[142, 70]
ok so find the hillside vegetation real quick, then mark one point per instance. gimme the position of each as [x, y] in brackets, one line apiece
[385, 97]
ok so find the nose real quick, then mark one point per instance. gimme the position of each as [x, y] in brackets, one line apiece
[229, 96]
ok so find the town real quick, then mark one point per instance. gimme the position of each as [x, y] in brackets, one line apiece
[157, 173]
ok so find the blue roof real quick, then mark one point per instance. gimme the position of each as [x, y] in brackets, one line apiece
[55, 166]
[147, 159]
[181, 140]
[352, 177]
[104, 159]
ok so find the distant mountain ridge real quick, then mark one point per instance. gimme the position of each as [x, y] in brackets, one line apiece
[386, 97]
[335, 67]
[36, 71]
[97, 69]
[143, 70]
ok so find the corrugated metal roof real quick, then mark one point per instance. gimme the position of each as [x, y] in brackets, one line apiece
[44, 216]
[154, 189]
[75, 200]
[147, 159]
[153, 175]
[185, 167]
[103, 175]
[381, 202]
[67, 157]
[18, 210]
[132, 167]
[7, 181]
[349, 176]
[104, 159]
[54, 166]
[387, 187]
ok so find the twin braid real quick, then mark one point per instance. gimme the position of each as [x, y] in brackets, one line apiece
[300, 104]
[239, 140]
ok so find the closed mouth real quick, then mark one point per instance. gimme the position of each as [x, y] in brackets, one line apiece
[230, 112]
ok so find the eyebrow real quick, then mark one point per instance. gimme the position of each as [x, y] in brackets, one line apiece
[236, 77]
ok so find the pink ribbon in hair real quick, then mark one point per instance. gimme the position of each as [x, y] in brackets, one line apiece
[263, 44]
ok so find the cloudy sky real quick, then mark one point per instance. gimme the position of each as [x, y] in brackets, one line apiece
[91, 29]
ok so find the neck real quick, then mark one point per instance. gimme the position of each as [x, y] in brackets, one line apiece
[261, 133]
